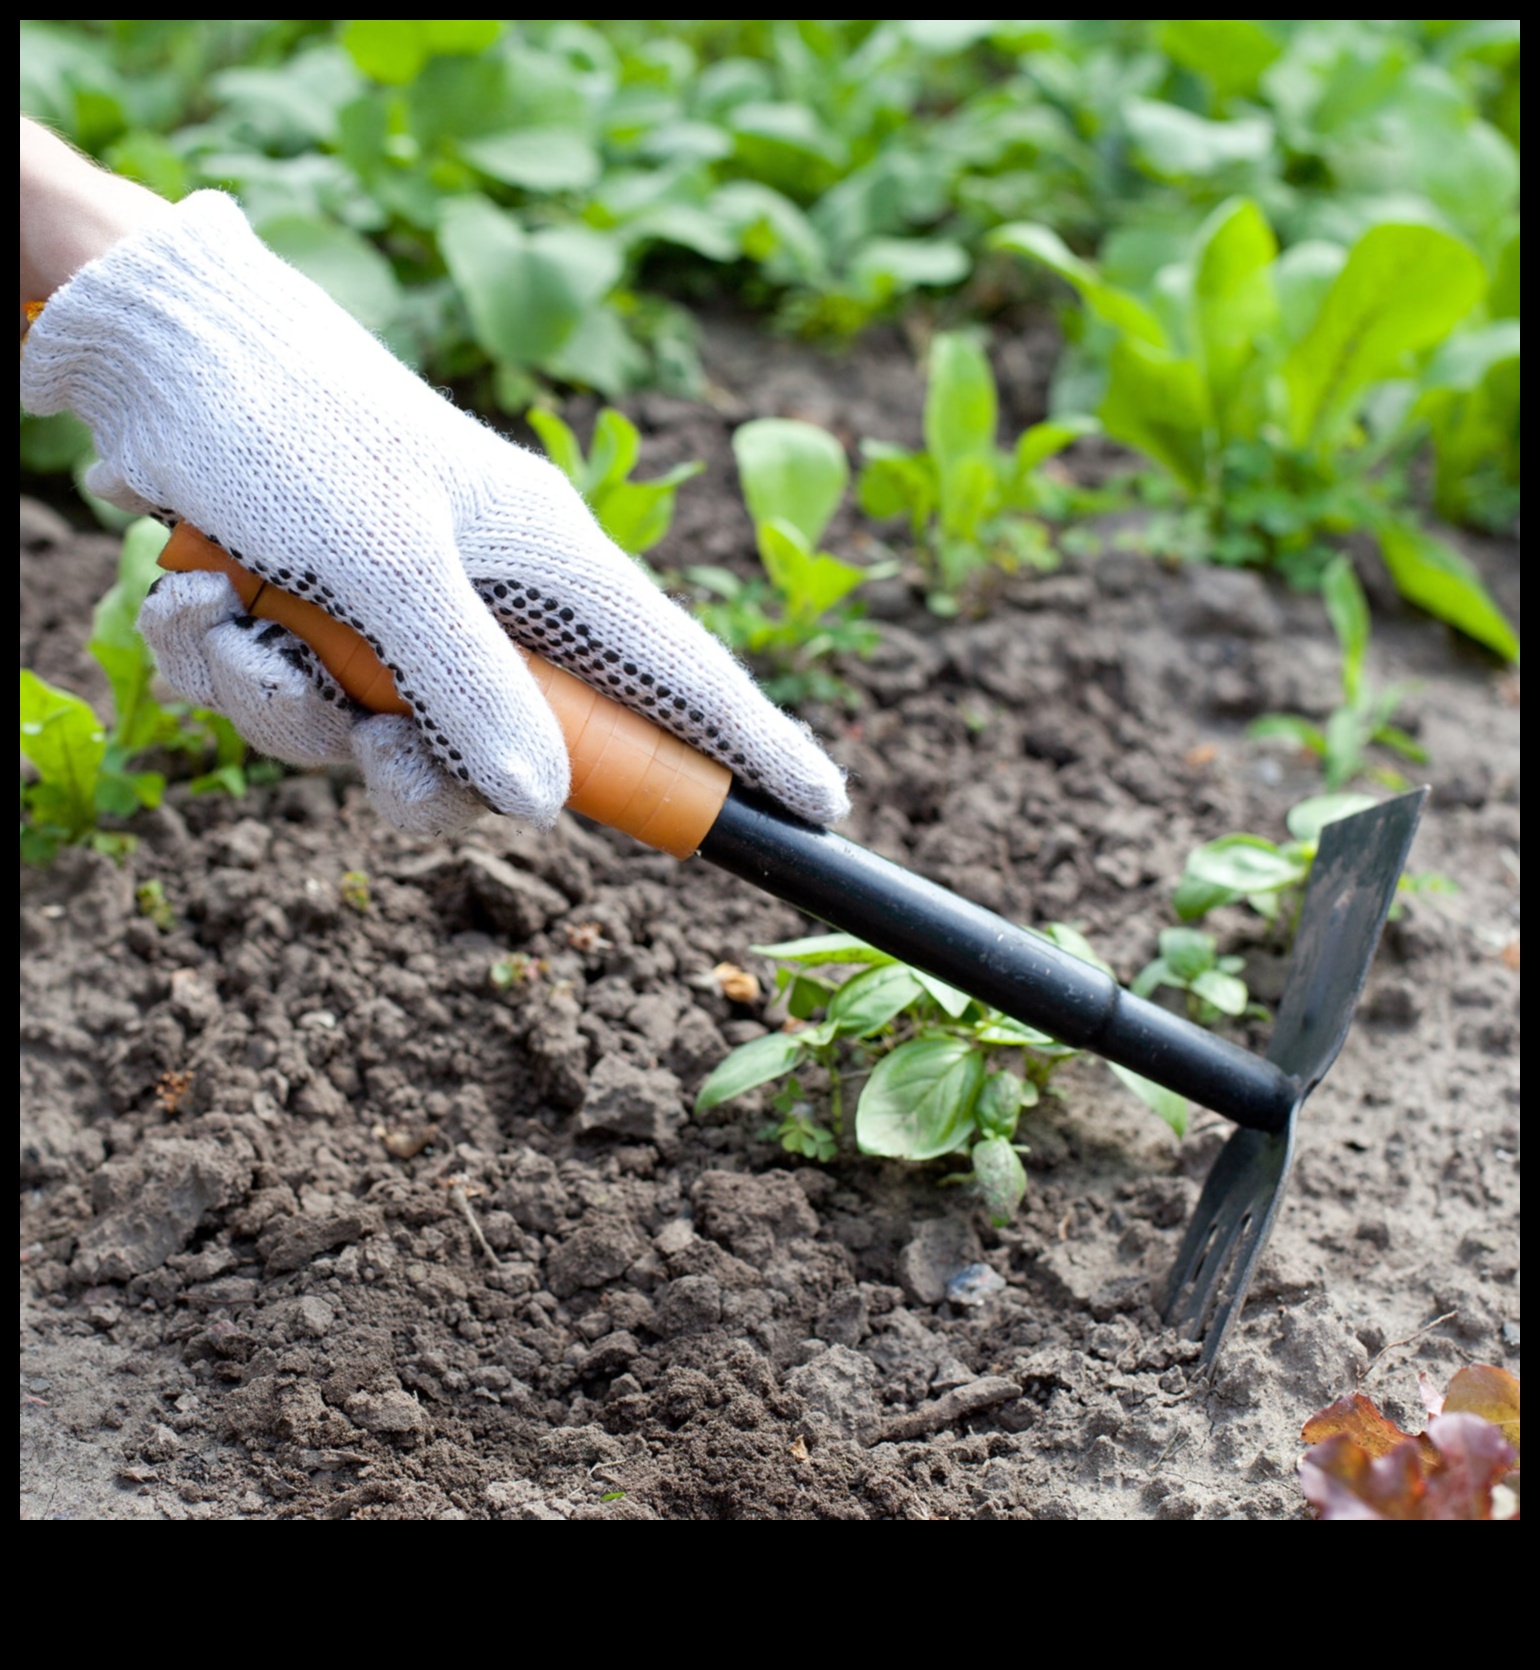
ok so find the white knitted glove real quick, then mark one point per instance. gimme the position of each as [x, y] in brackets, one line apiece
[222, 386]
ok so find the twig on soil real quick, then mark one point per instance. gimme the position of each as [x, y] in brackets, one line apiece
[1428, 1328]
[460, 1192]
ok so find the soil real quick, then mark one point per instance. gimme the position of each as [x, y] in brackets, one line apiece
[319, 1222]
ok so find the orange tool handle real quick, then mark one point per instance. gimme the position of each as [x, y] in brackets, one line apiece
[625, 771]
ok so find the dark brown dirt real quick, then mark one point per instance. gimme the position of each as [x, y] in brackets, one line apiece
[577, 1301]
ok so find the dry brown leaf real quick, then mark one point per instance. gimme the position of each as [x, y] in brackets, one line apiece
[737, 984]
[1201, 757]
[1356, 1419]
[799, 1448]
[586, 937]
[1509, 955]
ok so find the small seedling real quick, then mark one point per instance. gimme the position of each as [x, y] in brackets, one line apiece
[1362, 719]
[1189, 961]
[941, 1074]
[635, 514]
[151, 902]
[1270, 876]
[84, 770]
[801, 614]
[354, 888]
[518, 968]
[968, 504]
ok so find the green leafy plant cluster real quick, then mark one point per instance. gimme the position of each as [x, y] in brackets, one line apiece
[1270, 876]
[940, 1073]
[1279, 389]
[1362, 719]
[801, 612]
[428, 169]
[84, 771]
[969, 505]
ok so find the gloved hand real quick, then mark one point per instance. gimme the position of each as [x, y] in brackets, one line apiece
[223, 387]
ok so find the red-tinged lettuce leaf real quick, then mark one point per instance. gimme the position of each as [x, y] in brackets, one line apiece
[1493, 1394]
[1356, 1419]
[1473, 1459]
[1343, 1481]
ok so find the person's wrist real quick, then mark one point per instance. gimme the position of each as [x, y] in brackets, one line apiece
[71, 212]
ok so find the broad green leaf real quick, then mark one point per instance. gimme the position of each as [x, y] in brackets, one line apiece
[1302, 276]
[1229, 53]
[883, 268]
[598, 352]
[536, 158]
[1290, 726]
[1400, 291]
[1504, 297]
[349, 268]
[637, 514]
[1000, 1103]
[54, 443]
[791, 470]
[952, 1001]
[561, 445]
[1224, 991]
[785, 555]
[1173, 144]
[525, 292]
[772, 230]
[866, 1003]
[1307, 818]
[1072, 940]
[1432, 574]
[1014, 1034]
[612, 453]
[970, 494]
[1463, 361]
[1171, 1107]
[961, 410]
[1187, 952]
[1155, 403]
[1192, 899]
[750, 1065]
[65, 740]
[1039, 443]
[1115, 307]
[1244, 864]
[918, 1102]
[1001, 1178]
[818, 949]
[897, 483]
[394, 50]
[1234, 300]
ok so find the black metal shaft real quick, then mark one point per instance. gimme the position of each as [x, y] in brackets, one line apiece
[1017, 972]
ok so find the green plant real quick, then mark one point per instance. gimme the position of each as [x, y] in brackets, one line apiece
[968, 504]
[801, 613]
[1190, 962]
[940, 1072]
[635, 514]
[1362, 719]
[84, 771]
[354, 888]
[1270, 876]
[1269, 387]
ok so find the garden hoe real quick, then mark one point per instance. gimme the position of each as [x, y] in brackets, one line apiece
[634, 777]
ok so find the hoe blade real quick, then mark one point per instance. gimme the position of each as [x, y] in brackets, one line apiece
[1352, 884]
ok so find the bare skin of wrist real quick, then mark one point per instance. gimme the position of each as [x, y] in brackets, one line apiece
[71, 212]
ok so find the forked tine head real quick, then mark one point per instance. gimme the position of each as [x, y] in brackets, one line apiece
[1225, 1238]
